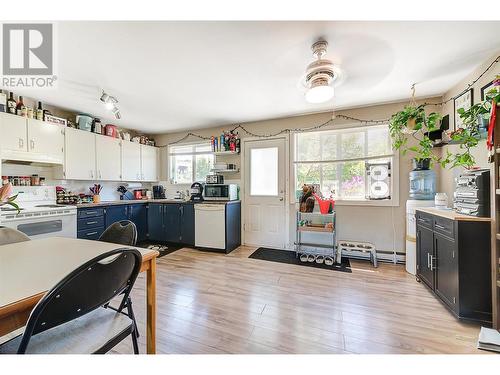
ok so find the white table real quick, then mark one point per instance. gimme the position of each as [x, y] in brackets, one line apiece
[29, 269]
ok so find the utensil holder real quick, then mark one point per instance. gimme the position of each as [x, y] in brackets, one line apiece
[96, 198]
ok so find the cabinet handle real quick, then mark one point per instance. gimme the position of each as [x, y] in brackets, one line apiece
[432, 263]
[440, 227]
[32, 144]
[91, 222]
[21, 143]
[91, 212]
[91, 233]
[428, 260]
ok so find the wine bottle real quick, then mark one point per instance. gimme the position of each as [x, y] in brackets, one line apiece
[39, 112]
[20, 107]
[11, 104]
[238, 145]
[3, 102]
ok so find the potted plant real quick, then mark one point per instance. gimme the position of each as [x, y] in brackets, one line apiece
[413, 122]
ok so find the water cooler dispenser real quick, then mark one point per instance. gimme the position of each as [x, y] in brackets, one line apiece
[422, 192]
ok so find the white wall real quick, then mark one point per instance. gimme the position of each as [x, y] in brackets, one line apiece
[480, 153]
[384, 226]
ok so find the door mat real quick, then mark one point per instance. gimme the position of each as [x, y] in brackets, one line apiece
[286, 256]
[161, 248]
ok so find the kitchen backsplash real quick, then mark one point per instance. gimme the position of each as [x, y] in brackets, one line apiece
[108, 192]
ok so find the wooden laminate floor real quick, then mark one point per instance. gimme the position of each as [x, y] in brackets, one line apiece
[212, 303]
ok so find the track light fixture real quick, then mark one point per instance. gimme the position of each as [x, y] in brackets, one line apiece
[110, 104]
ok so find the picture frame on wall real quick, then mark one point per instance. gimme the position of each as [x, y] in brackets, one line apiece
[485, 89]
[463, 101]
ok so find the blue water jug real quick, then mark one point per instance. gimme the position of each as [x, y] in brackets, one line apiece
[422, 185]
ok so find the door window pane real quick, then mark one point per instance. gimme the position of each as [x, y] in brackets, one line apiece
[264, 171]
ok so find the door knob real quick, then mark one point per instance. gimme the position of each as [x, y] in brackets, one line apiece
[281, 199]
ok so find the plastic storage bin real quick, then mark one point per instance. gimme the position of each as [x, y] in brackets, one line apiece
[422, 185]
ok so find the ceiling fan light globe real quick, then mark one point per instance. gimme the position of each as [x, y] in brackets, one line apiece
[319, 94]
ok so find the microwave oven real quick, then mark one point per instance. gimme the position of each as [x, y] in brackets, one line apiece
[220, 192]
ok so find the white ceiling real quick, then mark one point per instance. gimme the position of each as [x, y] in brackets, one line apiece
[171, 76]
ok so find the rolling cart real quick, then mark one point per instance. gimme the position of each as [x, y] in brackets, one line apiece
[315, 238]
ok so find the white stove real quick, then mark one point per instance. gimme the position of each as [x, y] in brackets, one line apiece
[40, 216]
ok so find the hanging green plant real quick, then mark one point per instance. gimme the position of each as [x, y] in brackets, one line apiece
[413, 122]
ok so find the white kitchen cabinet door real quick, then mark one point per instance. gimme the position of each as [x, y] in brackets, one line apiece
[108, 158]
[149, 163]
[13, 137]
[80, 159]
[45, 141]
[131, 161]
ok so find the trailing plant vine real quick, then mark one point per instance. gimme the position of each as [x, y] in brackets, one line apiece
[413, 122]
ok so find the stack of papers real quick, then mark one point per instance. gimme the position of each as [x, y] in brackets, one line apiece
[489, 339]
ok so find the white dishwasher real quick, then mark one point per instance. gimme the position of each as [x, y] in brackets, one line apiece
[210, 225]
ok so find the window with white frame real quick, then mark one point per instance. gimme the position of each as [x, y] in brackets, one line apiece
[340, 162]
[190, 162]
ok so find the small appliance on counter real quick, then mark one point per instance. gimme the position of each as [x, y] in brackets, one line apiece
[197, 192]
[472, 193]
[221, 192]
[140, 193]
[158, 192]
[215, 179]
[125, 194]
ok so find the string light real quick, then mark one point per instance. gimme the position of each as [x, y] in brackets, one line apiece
[366, 122]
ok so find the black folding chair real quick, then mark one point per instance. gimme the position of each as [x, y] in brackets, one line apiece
[71, 319]
[124, 233]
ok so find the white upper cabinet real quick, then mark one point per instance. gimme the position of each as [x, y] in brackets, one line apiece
[80, 155]
[131, 161]
[149, 163]
[108, 158]
[46, 140]
[13, 139]
[31, 140]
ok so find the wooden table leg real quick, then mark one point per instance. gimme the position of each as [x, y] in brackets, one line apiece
[151, 307]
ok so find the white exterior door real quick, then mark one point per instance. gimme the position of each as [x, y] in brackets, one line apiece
[108, 158]
[149, 162]
[13, 134]
[131, 161]
[265, 195]
[46, 140]
[80, 155]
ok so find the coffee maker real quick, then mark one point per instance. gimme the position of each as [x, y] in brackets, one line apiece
[197, 192]
[158, 192]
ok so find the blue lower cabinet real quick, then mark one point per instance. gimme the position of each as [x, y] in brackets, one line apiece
[116, 213]
[90, 223]
[138, 214]
[172, 222]
[187, 224]
[155, 222]
[90, 234]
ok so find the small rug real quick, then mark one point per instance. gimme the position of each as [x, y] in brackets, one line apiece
[285, 256]
[161, 248]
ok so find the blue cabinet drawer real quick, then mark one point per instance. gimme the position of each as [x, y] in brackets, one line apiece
[90, 212]
[90, 222]
[90, 234]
